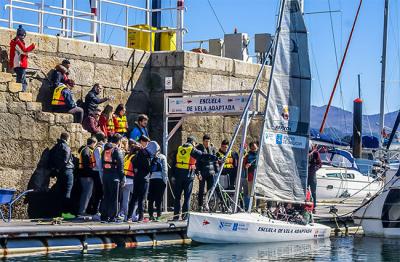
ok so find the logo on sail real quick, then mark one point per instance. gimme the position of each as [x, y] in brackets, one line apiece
[287, 120]
[272, 138]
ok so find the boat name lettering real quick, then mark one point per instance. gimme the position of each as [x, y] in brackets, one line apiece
[284, 230]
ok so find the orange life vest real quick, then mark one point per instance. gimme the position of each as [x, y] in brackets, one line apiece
[128, 166]
[108, 162]
[110, 125]
[58, 97]
[122, 124]
[309, 206]
[92, 161]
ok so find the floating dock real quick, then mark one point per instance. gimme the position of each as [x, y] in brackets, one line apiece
[20, 238]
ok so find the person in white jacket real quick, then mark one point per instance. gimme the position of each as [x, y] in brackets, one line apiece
[158, 179]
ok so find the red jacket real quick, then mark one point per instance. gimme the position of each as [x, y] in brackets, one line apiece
[19, 53]
[103, 125]
[91, 124]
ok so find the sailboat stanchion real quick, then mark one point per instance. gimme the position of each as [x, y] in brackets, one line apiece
[240, 164]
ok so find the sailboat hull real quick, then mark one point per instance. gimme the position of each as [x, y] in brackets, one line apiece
[249, 228]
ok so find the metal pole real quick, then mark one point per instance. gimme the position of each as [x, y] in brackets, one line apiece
[72, 18]
[99, 39]
[165, 147]
[383, 73]
[240, 164]
[147, 12]
[41, 18]
[64, 19]
[10, 15]
[359, 85]
[93, 24]
[179, 31]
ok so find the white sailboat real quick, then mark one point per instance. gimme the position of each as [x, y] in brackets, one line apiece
[281, 173]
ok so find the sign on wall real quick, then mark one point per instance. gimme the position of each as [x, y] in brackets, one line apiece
[206, 104]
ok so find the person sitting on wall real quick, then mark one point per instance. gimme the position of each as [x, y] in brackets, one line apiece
[120, 121]
[63, 101]
[91, 122]
[140, 128]
[106, 121]
[19, 57]
[60, 74]
[92, 100]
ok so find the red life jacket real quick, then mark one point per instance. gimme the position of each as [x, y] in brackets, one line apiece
[309, 206]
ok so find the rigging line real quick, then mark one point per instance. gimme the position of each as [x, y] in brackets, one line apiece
[341, 67]
[216, 16]
[337, 63]
[116, 21]
[313, 57]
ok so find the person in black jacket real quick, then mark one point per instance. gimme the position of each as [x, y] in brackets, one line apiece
[184, 172]
[92, 100]
[86, 174]
[60, 74]
[61, 162]
[206, 170]
[141, 164]
[113, 177]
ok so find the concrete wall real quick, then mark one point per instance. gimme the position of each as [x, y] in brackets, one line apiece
[135, 78]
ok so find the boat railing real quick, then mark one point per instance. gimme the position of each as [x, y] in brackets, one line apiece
[91, 22]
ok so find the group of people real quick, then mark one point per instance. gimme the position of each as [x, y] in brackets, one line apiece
[115, 177]
[204, 161]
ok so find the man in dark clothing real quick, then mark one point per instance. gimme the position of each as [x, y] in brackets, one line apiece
[140, 128]
[230, 165]
[113, 178]
[86, 174]
[183, 175]
[206, 170]
[63, 101]
[61, 163]
[314, 163]
[141, 165]
[92, 100]
[60, 74]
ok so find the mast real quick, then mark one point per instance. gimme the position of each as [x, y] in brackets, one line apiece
[383, 73]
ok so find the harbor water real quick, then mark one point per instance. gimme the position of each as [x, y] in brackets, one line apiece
[334, 249]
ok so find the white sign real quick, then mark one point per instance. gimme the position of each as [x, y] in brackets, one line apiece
[207, 104]
[272, 138]
[168, 83]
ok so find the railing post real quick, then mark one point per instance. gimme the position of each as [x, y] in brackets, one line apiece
[99, 39]
[179, 33]
[72, 18]
[64, 24]
[41, 18]
[126, 25]
[10, 15]
[93, 25]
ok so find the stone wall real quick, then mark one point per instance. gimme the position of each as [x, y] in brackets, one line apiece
[134, 77]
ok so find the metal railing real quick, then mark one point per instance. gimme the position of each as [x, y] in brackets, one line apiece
[70, 18]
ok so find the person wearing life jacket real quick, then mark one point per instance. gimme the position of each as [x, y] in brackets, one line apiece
[129, 172]
[206, 170]
[97, 194]
[63, 101]
[230, 165]
[314, 163]
[142, 164]
[113, 178]
[19, 57]
[87, 163]
[140, 128]
[184, 172]
[158, 179]
[249, 165]
[106, 121]
[120, 120]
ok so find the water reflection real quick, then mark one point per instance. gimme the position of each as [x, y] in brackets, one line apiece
[336, 249]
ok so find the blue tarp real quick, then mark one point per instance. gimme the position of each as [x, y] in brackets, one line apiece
[315, 135]
[368, 142]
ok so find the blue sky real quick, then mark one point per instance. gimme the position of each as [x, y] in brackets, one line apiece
[258, 16]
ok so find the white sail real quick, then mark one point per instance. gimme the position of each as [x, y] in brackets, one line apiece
[281, 172]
